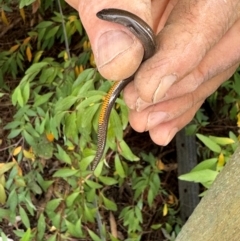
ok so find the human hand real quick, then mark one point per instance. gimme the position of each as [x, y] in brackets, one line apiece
[198, 49]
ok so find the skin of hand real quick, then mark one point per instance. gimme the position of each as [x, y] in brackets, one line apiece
[198, 49]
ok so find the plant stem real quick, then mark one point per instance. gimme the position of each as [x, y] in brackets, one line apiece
[64, 30]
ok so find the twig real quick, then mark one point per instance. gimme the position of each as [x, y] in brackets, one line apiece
[9, 27]
[98, 216]
[64, 31]
[99, 221]
[15, 144]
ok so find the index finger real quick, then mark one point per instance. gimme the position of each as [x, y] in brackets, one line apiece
[192, 29]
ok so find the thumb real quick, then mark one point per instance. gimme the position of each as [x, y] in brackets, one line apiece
[118, 53]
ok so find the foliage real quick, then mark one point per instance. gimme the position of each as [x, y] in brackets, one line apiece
[206, 171]
[217, 150]
[45, 189]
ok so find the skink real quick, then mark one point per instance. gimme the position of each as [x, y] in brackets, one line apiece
[146, 36]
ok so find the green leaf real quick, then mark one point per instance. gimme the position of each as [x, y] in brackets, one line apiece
[56, 120]
[84, 90]
[107, 180]
[206, 164]
[116, 125]
[3, 195]
[110, 205]
[12, 125]
[28, 137]
[44, 24]
[48, 75]
[4, 237]
[26, 236]
[41, 112]
[88, 116]
[113, 238]
[24, 217]
[119, 168]
[40, 126]
[53, 204]
[17, 97]
[62, 155]
[150, 197]
[85, 75]
[26, 92]
[203, 176]
[41, 226]
[42, 99]
[156, 226]
[29, 128]
[25, 3]
[209, 143]
[29, 205]
[124, 112]
[138, 214]
[191, 129]
[93, 184]
[35, 68]
[71, 198]
[71, 126]
[56, 219]
[89, 213]
[41, 34]
[94, 236]
[6, 167]
[51, 32]
[89, 101]
[91, 196]
[37, 56]
[65, 172]
[126, 152]
[78, 26]
[14, 133]
[4, 213]
[65, 103]
[85, 162]
[98, 169]
[75, 228]
[223, 141]
[44, 184]
[31, 113]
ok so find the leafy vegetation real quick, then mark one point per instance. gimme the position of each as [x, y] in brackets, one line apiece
[50, 140]
[217, 150]
[50, 94]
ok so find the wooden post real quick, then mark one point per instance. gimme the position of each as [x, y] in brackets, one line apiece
[217, 217]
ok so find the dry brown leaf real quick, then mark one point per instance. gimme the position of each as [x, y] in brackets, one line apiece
[17, 150]
[29, 54]
[22, 13]
[113, 225]
[4, 18]
[35, 6]
[14, 48]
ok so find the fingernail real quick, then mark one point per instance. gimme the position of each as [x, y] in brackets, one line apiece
[141, 105]
[171, 134]
[164, 85]
[111, 44]
[155, 118]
